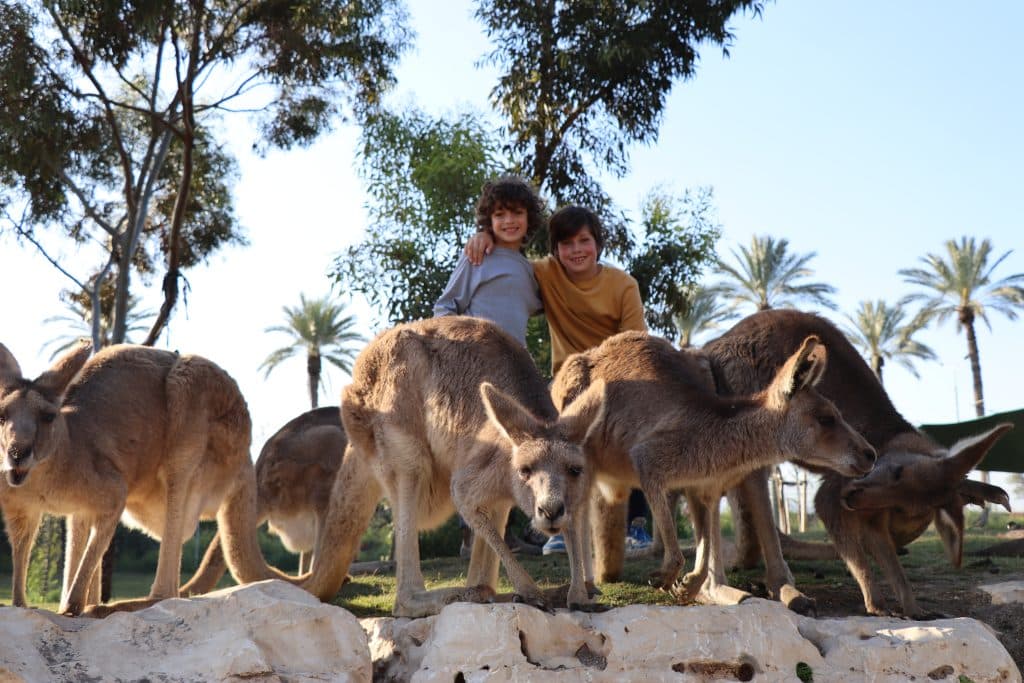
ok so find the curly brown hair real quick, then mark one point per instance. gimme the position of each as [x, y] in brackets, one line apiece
[509, 191]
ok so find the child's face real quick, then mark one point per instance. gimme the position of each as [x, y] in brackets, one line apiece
[578, 255]
[509, 224]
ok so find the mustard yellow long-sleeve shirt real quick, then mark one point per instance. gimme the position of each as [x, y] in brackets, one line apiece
[581, 315]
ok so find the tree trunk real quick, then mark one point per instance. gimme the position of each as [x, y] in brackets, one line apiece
[979, 394]
[313, 367]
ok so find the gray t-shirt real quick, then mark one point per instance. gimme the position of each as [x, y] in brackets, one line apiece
[502, 289]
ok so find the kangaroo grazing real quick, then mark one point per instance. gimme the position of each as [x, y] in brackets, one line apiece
[452, 413]
[294, 476]
[664, 428]
[159, 438]
[918, 479]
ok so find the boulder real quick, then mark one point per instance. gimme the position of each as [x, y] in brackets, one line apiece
[756, 640]
[266, 631]
[1005, 592]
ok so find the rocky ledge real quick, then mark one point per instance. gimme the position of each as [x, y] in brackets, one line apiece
[272, 631]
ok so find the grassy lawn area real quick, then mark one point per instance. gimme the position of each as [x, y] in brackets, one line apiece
[828, 581]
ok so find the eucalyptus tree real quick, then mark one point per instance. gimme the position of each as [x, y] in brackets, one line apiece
[319, 329]
[767, 275]
[961, 284]
[112, 112]
[676, 242]
[582, 80]
[424, 176]
[882, 333]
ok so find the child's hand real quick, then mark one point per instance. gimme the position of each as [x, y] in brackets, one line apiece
[478, 246]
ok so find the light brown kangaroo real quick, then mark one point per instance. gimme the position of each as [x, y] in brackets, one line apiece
[664, 428]
[159, 438]
[921, 480]
[451, 413]
[294, 476]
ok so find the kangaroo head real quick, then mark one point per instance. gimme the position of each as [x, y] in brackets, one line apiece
[815, 432]
[916, 481]
[549, 471]
[30, 416]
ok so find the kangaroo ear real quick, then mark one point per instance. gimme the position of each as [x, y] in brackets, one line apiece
[515, 422]
[10, 371]
[55, 381]
[949, 522]
[965, 454]
[978, 493]
[804, 368]
[584, 413]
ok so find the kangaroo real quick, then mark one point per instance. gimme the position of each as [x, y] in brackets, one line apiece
[919, 479]
[159, 438]
[294, 475]
[451, 413]
[664, 428]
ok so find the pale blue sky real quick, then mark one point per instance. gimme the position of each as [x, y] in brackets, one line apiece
[866, 132]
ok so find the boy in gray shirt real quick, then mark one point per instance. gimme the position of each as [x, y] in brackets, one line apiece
[502, 289]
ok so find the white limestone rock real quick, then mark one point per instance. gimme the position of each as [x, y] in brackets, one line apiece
[757, 640]
[266, 631]
[1005, 592]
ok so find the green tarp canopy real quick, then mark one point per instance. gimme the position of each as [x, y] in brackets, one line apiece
[1008, 453]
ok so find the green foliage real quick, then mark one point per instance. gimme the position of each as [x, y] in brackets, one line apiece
[679, 235]
[767, 275]
[963, 284]
[580, 81]
[424, 177]
[103, 142]
[318, 328]
[804, 672]
[44, 580]
[880, 334]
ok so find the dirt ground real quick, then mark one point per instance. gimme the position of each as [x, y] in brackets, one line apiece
[939, 588]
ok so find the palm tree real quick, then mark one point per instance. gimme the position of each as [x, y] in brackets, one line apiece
[78, 320]
[702, 312]
[319, 328]
[881, 335]
[962, 285]
[767, 275]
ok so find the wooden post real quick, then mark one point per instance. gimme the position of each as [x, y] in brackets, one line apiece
[801, 488]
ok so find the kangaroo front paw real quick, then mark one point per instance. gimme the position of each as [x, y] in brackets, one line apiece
[534, 599]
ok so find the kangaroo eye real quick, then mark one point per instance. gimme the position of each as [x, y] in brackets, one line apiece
[47, 417]
[525, 472]
[575, 471]
[827, 420]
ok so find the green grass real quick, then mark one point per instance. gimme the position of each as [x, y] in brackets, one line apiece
[373, 595]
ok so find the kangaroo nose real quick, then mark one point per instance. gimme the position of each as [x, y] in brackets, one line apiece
[18, 454]
[550, 512]
[870, 454]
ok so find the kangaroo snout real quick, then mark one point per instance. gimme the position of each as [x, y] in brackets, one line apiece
[551, 511]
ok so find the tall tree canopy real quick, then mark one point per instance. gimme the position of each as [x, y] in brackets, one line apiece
[110, 115]
[881, 333]
[581, 80]
[768, 275]
[424, 177]
[320, 329]
[962, 283]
